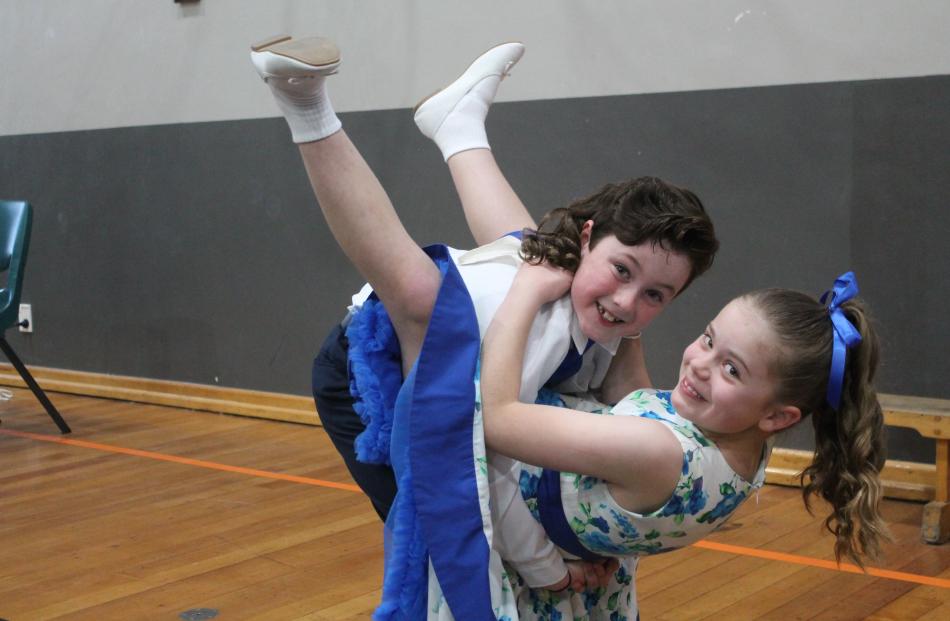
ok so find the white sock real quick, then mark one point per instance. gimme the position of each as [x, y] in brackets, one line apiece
[306, 106]
[464, 127]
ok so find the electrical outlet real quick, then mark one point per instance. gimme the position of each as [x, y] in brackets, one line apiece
[25, 320]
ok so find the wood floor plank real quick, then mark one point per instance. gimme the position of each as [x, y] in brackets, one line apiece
[907, 607]
[941, 613]
[93, 534]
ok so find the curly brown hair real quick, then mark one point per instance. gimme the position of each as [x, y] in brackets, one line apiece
[849, 442]
[646, 209]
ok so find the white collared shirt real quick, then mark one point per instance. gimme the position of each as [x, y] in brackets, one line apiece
[488, 272]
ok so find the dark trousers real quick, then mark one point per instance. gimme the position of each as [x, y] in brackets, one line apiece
[331, 393]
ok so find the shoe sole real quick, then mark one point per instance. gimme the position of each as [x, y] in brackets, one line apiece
[316, 52]
[504, 75]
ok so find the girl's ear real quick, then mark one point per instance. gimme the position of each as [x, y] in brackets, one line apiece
[585, 236]
[779, 418]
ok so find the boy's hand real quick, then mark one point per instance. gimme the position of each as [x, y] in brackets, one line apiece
[587, 575]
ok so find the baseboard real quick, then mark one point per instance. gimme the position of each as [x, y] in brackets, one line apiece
[259, 404]
[902, 479]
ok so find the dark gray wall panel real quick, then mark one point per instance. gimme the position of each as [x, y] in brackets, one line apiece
[197, 253]
[899, 229]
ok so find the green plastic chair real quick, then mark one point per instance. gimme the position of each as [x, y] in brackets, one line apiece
[16, 218]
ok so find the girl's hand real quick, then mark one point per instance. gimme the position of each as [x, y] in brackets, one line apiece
[543, 283]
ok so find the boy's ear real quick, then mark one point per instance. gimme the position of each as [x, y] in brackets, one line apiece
[585, 234]
[781, 417]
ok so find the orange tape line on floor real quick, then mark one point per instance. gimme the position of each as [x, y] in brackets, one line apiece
[707, 545]
[181, 460]
[815, 562]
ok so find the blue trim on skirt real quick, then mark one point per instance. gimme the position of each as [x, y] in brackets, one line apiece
[436, 515]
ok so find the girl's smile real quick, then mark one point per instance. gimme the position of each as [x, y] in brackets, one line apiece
[725, 383]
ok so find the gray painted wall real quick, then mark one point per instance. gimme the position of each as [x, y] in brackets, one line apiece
[116, 63]
[169, 248]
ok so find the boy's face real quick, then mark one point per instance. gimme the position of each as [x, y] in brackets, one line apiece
[619, 289]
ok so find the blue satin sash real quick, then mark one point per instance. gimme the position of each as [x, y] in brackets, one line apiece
[555, 523]
[436, 515]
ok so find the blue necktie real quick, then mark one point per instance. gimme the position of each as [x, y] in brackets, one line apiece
[570, 365]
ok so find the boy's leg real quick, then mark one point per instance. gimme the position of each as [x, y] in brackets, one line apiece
[331, 393]
[454, 118]
[356, 207]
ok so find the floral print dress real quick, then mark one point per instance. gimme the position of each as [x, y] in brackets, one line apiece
[707, 493]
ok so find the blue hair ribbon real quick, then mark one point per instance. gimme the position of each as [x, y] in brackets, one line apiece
[844, 334]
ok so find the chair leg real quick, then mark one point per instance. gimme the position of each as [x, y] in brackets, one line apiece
[28, 378]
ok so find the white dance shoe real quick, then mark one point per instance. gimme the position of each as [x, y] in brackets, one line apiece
[479, 81]
[296, 71]
[287, 58]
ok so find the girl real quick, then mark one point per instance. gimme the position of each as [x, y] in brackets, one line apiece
[454, 118]
[649, 241]
[662, 469]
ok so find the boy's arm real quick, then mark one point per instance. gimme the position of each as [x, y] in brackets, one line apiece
[627, 372]
[521, 542]
[519, 538]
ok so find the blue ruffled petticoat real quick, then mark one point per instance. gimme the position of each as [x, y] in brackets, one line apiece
[423, 425]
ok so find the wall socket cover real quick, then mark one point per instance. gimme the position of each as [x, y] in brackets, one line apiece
[26, 313]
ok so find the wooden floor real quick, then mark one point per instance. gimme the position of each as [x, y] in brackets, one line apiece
[147, 512]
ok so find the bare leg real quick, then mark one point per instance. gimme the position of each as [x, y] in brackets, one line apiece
[366, 226]
[356, 207]
[491, 207]
[454, 118]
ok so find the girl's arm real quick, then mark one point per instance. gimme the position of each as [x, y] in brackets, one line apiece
[639, 458]
[491, 207]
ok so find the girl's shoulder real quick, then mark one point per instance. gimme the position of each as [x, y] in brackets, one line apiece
[656, 405]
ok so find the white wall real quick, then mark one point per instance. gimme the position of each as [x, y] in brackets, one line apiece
[86, 64]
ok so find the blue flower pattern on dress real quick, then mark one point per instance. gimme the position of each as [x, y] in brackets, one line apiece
[546, 396]
[730, 500]
[606, 528]
[528, 482]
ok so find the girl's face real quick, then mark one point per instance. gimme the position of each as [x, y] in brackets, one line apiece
[725, 383]
[619, 289]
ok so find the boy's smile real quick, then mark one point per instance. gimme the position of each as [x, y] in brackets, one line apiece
[619, 289]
